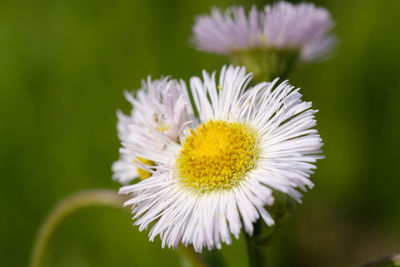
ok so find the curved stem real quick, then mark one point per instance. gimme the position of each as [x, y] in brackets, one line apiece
[387, 261]
[66, 207]
[82, 200]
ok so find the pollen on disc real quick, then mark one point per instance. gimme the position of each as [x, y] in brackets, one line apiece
[217, 155]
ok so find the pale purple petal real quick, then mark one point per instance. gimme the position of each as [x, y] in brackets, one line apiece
[300, 27]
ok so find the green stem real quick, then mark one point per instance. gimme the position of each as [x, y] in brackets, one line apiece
[65, 208]
[265, 236]
[82, 200]
[256, 252]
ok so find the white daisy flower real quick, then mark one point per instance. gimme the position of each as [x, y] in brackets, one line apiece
[301, 28]
[160, 105]
[221, 176]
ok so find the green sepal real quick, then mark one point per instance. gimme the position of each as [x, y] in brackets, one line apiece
[266, 64]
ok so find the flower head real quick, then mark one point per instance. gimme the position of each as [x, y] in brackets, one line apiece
[160, 106]
[220, 176]
[301, 28]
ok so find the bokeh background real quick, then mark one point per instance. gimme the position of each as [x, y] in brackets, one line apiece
[63, 67]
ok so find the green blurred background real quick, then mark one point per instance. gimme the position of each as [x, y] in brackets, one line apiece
[63, 68]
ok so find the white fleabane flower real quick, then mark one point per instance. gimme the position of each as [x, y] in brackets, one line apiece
[221, 176]
[160, 105]
[300, 28]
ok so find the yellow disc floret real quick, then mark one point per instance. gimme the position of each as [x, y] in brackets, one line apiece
[217, 155]
[143, 174]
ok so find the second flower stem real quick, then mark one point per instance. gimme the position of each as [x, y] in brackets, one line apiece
[68, 206]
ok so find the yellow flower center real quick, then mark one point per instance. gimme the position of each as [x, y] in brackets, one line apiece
[143, 174]
[217, 155]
